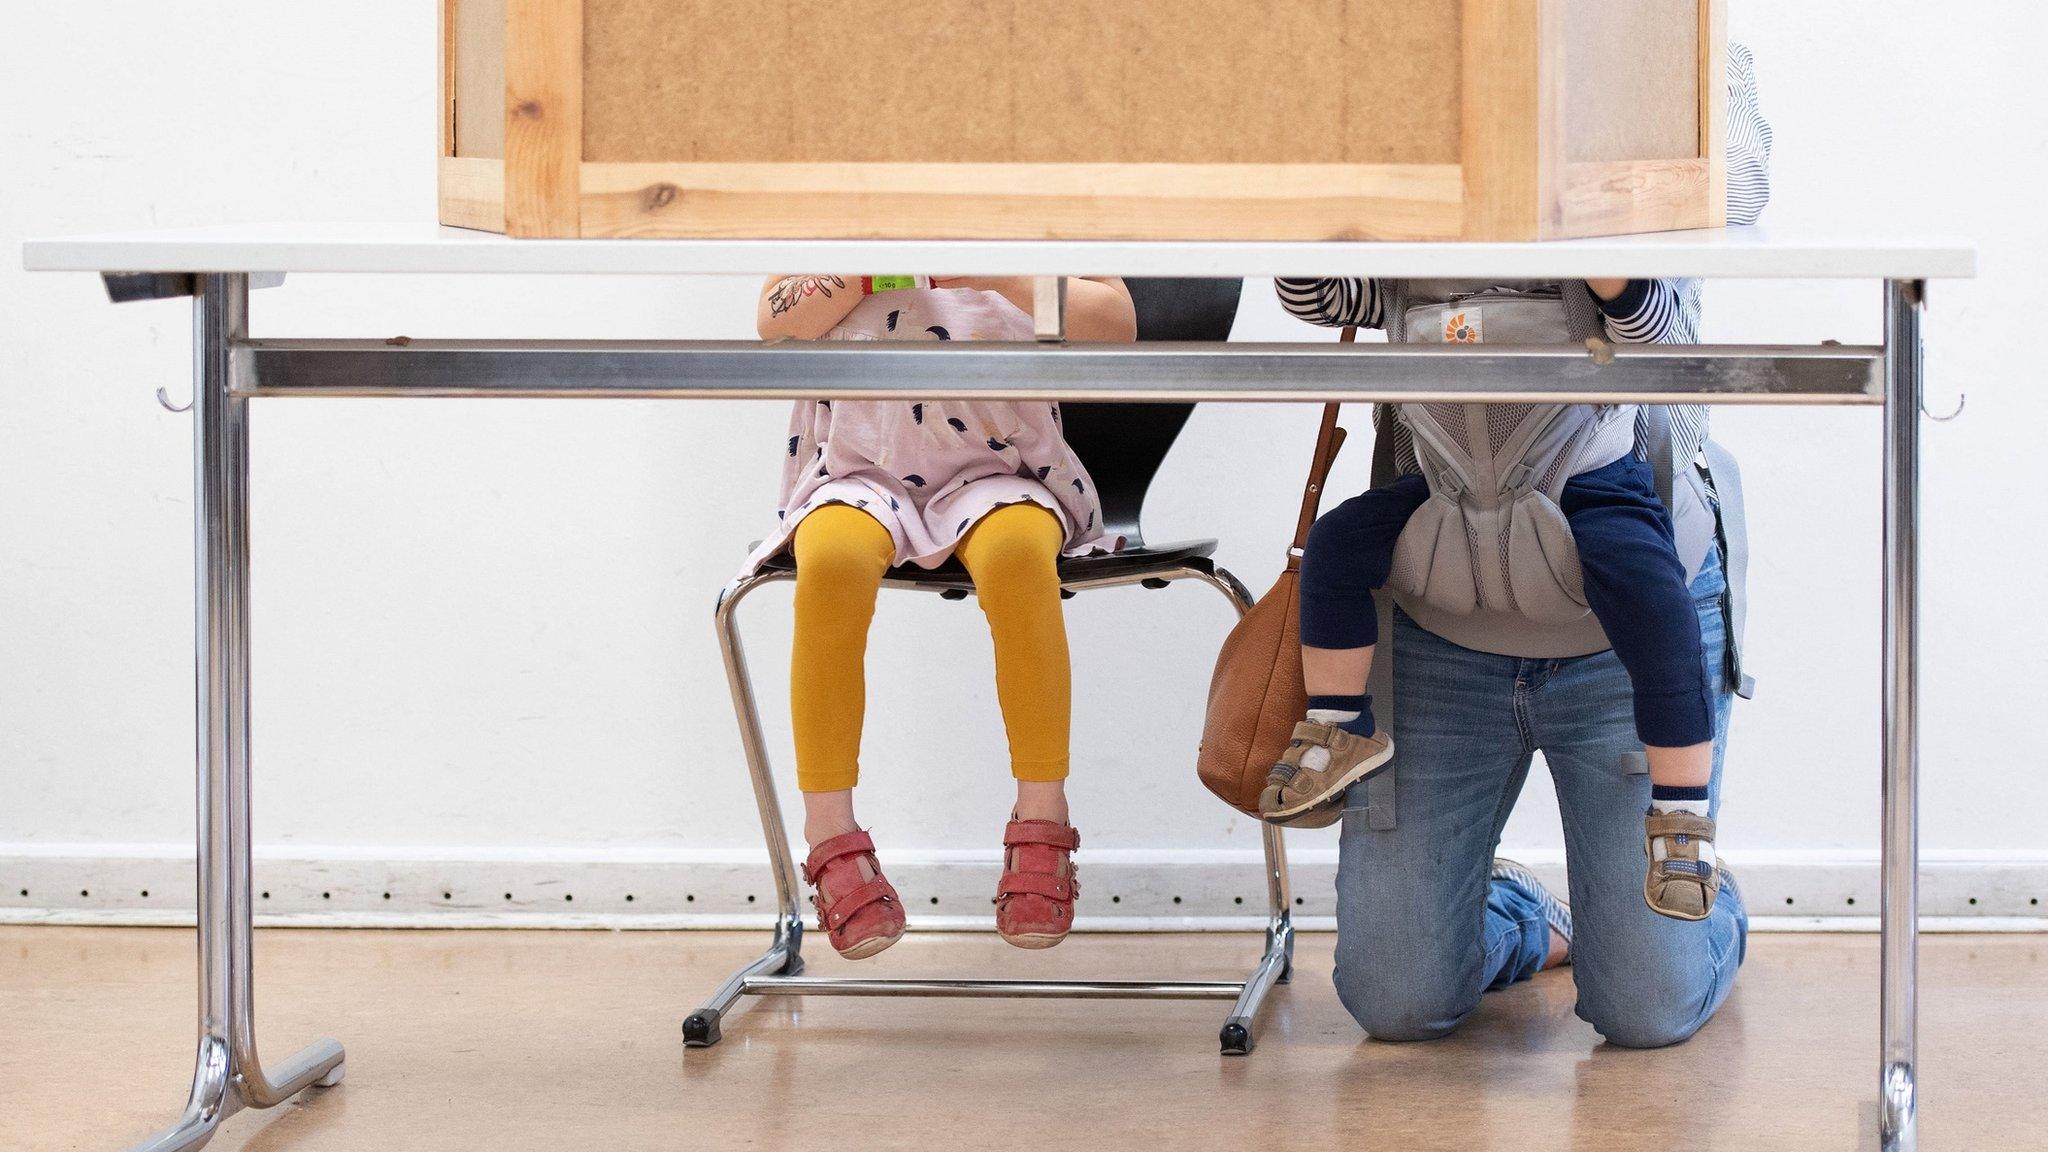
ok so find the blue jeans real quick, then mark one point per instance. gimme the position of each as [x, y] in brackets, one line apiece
[1422, 932]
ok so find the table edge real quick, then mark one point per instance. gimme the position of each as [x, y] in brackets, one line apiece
[171, 252]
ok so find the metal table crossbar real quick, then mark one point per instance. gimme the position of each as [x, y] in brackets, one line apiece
[1410, 373]
[217, 266]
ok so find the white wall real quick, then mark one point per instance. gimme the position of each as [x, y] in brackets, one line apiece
[483, 625]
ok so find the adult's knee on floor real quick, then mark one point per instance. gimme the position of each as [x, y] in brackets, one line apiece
[1398, 1006]
[1643, 1014]
[1399, 1018]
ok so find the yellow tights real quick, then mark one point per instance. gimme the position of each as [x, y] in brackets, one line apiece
[841, 554]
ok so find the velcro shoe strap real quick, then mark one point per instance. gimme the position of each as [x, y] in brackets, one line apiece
[1660, 824]
[1037, 884]
[837, 848]
[1309, 732]
[835, 914]
[1047, 832]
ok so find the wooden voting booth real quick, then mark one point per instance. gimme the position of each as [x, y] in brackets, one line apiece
[1083, 119]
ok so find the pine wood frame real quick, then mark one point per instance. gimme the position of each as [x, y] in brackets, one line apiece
[1514, 183]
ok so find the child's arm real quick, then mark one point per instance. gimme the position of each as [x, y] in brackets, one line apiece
[804, 307]
[1334, 301]
[1099, 308]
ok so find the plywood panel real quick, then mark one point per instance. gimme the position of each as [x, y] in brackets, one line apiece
[1632, 79]
[543, 116]
[1511, 131]
[986, 81]
[472, 192]
[1608, 198]
[478, 72]
[1714, 107]
[1025, 201]
[1408, 72]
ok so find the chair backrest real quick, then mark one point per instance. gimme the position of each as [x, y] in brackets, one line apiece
[1123, 445]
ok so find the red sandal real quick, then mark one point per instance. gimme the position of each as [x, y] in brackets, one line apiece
[858, 909]
[1035, 898]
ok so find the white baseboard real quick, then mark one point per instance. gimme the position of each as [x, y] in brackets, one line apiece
[1122, 890]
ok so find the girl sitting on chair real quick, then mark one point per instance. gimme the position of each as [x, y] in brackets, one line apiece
[868, 485]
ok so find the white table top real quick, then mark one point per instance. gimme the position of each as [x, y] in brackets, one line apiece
[1742, 253]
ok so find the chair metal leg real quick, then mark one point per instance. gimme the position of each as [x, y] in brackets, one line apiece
[789, 928]
[784, 957]
[776, 971]
[1223, 581]
[227, 1075]
[1900, 913]
[1239, 1034]
[1276, 966]
[705, 1026]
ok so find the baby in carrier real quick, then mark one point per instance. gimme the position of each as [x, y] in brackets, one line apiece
[1508, 476]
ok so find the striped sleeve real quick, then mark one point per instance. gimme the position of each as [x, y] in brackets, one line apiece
[1660, 312]
[1334, 302]
[1647, 311]
[1654, 312]
[1749, 141]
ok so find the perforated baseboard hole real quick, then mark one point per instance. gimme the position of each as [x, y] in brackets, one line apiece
[156, 884]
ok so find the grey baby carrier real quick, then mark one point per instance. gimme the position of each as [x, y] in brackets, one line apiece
[1492, 535]
[1488, 562]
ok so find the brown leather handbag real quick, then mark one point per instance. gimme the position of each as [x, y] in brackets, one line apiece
[1256, 695]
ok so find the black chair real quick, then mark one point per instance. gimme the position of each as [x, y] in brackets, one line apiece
[1122, 445]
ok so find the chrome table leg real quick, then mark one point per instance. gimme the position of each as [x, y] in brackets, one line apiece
[1897, 1105]
[228, 1076]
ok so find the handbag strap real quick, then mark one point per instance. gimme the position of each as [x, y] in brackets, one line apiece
[1329, 440]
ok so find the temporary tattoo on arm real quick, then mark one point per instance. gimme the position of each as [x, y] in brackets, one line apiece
[793, 290]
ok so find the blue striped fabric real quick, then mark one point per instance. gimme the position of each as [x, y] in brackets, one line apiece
[1648, 312]
[1749, 141]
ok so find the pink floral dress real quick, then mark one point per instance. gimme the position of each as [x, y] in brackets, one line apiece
[929, 470]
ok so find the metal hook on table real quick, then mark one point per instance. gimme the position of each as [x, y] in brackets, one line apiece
[1962, 401]
[164, 398]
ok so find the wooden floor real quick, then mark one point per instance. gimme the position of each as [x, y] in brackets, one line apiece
[529, 1040]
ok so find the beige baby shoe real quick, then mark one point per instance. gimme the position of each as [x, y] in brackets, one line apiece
[1684, 874]
[1306, 788]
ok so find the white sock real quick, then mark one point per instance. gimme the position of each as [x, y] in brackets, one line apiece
[1670, 807]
